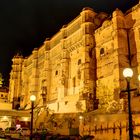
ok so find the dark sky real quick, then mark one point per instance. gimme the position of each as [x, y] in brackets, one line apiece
[24, 24]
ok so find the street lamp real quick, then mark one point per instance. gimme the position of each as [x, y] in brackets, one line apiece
[128, 73]
[32, 99]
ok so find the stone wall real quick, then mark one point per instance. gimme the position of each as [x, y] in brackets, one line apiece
[80, 68]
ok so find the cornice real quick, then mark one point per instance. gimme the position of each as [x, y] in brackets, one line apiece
[74, 46]
[105, 25]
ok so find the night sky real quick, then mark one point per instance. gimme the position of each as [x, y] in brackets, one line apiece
[24, 24]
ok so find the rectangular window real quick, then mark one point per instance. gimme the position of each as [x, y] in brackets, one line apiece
[74, 84]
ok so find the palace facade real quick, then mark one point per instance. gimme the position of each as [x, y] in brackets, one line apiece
[80, 68]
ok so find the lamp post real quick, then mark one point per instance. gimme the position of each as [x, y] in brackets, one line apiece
[32, 99]
[128, 73]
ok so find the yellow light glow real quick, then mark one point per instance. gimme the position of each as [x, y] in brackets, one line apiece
[139, 77]
[127, 73]
[80, 117]
[5, 118]
[25, 118]
[32, 98]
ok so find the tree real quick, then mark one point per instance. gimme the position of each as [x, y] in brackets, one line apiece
[106, 99]
[105, 96]
[115, 106]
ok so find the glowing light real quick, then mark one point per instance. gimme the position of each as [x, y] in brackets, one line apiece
[32, 98]
[127, 73]
[80, 117]
[5, 118]
[139, 77]
[25, 118]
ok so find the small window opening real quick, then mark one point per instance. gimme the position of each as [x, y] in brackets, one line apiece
[79, 61]
[56, 73]
[102, 51]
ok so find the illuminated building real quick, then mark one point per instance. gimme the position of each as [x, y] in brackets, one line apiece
[80, 67]
[3, 94]
[8, 116]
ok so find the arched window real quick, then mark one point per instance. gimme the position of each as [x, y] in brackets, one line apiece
[102, 51]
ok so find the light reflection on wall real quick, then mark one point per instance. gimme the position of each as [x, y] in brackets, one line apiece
[25, 119]
[5, 121]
